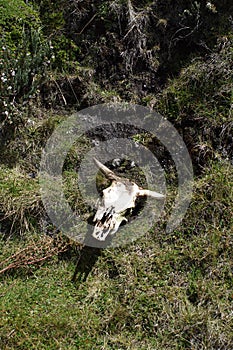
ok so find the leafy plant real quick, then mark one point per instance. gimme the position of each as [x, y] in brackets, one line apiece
[15, 14]
[23, 68]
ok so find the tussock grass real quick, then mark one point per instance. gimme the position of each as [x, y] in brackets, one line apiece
[20, 199]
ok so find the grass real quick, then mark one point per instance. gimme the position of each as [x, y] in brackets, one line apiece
[170, 291]
[164, 291]
[19, 198]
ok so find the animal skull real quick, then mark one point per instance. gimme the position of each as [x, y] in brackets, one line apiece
[117, 198]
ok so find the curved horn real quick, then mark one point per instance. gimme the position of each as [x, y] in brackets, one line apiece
[151, 194]
[107, 172]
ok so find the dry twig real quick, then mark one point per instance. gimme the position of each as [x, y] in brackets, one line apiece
[34, 254]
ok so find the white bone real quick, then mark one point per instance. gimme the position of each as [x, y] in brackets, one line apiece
[117, 198]
[150, 194]
[107, 172]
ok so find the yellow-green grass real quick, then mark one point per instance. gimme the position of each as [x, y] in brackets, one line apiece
[165, 291]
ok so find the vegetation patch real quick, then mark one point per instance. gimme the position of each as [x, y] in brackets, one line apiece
[166, 290]
[20, 200]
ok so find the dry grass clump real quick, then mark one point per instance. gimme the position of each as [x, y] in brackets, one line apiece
[20, 200]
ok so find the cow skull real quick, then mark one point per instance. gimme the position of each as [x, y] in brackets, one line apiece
[117, 198]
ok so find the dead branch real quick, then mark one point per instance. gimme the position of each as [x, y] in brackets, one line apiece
[34, 254]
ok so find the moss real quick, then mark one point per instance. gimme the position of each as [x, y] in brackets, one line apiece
[15, 18]
[13, 11]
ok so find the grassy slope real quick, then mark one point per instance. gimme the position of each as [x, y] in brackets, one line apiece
[165, 291]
